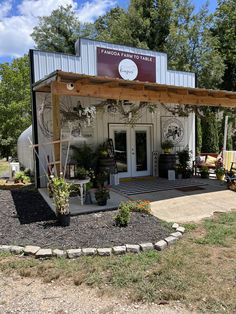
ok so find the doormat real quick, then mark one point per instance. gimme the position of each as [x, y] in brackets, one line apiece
[141, 187]
[189, 188]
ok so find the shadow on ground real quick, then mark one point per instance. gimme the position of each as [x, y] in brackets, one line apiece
[31, 207]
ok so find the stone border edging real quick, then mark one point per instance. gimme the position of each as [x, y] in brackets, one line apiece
[38, 252]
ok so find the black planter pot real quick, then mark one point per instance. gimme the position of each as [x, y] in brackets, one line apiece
[102, 202]
[205, 175]
[64, 220]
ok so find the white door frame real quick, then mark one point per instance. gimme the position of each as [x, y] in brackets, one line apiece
[131, 148]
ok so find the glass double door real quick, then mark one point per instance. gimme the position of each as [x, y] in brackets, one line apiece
[132, 149]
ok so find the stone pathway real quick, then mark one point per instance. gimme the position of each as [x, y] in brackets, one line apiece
[192, 206]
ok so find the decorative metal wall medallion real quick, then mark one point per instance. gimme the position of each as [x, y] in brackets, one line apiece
[172, 129]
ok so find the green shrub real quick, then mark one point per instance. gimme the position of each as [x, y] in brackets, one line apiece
[123, 217]
[22, 177]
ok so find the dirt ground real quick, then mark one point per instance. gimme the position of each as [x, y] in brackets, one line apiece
[29, 295]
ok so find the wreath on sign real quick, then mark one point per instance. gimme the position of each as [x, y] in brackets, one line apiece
[131, 112]
[77, 117]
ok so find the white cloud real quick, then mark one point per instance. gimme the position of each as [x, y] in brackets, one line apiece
[5, 8]
[93, 9]
[15, 36]
[15, 30]
[35, 8]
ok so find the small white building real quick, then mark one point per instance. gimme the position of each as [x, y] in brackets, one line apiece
[137, 127]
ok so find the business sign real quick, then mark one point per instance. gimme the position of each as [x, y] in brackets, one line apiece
[126, 65]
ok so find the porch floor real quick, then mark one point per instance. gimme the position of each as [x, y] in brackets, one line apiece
[175, 201]
[76, 208]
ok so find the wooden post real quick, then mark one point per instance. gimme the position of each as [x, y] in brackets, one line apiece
[56, 129]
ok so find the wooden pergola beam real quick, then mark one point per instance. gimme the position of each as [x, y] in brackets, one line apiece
[170, 95]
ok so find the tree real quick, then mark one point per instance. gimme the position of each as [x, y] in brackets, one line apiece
[113, 27]
[150, 22]
[191, 46]
[224, 30]
[210, 137]
[59, 31]
[144, 25]
[15, 103]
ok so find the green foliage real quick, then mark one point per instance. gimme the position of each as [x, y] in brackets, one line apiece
[210, 137]
[191, 46]
[184, 157]
[167, 144]
[81, 173]
[101, 178]
[220, 171]
[61, 193]
[224, 31]
[204, 169]
[102, 194]
[123, 216]
[15, 104]
[198, 135]
[84, 156]
[190, 226]
[138, 206]
[108, 27]
[219, 230]
[22, 177]
[59, 31]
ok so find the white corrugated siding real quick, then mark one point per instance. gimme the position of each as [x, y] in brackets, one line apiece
[86, 63]
[48, 62]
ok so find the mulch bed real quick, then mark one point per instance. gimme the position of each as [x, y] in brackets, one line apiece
[25, 218]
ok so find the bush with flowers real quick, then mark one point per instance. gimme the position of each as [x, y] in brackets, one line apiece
[219, 170]
[140, 206]
[232, 187]
[125, 208]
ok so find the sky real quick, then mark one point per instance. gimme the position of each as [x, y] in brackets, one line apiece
[18, 17]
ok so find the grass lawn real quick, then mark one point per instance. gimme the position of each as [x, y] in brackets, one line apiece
[4, 166]
[199, 270]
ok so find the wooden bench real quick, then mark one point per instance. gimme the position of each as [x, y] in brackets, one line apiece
[197, 167]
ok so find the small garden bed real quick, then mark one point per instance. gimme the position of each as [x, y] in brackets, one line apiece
[26, 219]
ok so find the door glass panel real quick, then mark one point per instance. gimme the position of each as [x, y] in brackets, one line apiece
[141, 150]
[120, 139]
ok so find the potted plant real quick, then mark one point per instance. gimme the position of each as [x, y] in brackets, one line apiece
[101, 178]
[220, 173]
[220, 170]
[102, 195]
[61, 194]
[184, 158]
[21, 177]
[204, 171]
[167, 146]
[81, 173]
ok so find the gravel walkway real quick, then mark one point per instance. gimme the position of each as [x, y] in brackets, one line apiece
[28, 295]
[25, 218]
